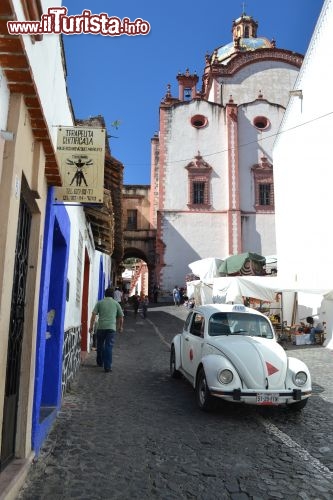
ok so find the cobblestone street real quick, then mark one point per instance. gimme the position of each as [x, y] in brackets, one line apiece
[136, 433]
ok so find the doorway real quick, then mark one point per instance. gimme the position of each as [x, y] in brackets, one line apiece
[15, 338]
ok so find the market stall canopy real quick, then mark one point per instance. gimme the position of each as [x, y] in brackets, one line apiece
[243, 264]
[232, 289]
[207, 268]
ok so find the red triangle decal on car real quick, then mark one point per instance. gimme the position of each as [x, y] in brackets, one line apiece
[271, 369]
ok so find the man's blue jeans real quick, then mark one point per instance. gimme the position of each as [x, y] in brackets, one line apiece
[313, 332]
[105, 341]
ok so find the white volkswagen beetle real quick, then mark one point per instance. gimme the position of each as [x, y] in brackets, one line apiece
[230, 352]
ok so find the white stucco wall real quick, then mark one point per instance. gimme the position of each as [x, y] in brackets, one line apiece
[79, 226]
[77, 221]
[48, 72]
[273, 78]
[303, 169]
[254, 144]
[258, 234]
[191, 237]
[4, 99]
[302, 165]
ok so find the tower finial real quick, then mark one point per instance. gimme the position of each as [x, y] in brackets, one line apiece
[243, 11]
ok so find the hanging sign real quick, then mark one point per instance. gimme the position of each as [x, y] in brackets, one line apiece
[81, 155]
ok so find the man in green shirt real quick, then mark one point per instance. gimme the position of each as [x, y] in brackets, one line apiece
[109, 313]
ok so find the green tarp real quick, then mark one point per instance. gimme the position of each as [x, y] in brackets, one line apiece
[243, 263]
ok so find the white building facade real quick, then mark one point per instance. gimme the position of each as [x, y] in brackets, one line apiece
[212, 191]
[51, 274]
[303, 177]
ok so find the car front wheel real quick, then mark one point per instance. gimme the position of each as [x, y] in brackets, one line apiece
[204, 399]
[173, 372]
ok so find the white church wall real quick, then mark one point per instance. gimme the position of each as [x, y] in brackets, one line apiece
[183, 143]
[190, 237]
[273, 78]
[258, 234]
[250, 150]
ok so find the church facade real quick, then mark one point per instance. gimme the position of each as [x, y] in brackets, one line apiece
[212, 189]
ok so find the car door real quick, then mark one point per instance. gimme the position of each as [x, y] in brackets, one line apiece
[193, 340]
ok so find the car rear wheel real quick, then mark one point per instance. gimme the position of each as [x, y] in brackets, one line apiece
[173, 372]
[298, 406]
[204, 399]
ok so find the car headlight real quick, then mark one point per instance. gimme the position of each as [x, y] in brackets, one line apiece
[300, 378]
[225, 376]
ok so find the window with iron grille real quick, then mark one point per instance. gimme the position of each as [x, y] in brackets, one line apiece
[265, 194]
[199, 181]
[198, 193]
[132, 220]
[264, 185]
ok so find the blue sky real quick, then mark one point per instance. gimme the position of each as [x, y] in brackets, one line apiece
[125, 78]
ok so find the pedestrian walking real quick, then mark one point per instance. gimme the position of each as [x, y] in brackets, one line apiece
[155, 294]
[144, 306]
[109, 313]
[176, 295]
[136, 303]
[118, 295]
[125, 296]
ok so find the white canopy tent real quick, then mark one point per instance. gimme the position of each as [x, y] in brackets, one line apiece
[232, 289]
[292, 300]
[206, 269]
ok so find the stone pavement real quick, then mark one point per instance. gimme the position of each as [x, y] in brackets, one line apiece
[136, 434]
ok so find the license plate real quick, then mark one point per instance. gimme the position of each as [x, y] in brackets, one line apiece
[267, 399]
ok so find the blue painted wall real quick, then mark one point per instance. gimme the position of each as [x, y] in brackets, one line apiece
[101, 284]
[47, 396]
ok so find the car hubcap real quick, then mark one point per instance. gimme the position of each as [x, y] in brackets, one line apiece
[202, 391]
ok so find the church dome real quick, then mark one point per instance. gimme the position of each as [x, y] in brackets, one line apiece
[242, 45]
[244, 30]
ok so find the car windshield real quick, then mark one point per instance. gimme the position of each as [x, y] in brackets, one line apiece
[235, 323]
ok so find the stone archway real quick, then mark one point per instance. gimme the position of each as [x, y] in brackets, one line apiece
[147, 259]
[139, 237]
